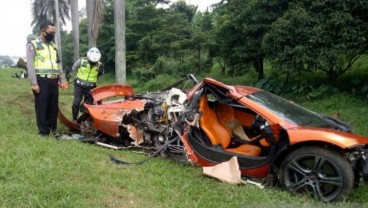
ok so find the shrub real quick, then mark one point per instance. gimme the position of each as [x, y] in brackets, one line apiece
[161, 81]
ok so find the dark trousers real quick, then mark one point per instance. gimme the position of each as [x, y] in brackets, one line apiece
[81, 92]
[46, 105]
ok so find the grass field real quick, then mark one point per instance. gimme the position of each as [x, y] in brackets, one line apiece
[39, 172]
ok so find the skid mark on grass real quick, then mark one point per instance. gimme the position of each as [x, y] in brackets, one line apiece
[21, 100]
[24, 102]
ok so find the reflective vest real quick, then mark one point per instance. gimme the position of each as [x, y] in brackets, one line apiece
[88, 72]
[45, 57]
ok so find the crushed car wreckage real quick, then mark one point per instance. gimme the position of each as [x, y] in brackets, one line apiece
[273, 139]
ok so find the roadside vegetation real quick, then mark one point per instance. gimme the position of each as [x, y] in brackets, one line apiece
[39, 172]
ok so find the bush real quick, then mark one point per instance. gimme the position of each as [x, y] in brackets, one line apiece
[144, 74]
[161, 81]
[296, 87]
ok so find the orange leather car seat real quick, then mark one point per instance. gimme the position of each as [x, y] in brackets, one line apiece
[246, 119]
[218, 133]
[227, 114]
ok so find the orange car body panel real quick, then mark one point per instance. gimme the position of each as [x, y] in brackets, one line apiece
[192, 156]
[108, 117]
[259, 172]
[339, 138]
[107, 91]
[72, 125]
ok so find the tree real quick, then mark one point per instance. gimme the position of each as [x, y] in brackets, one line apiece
[199, 26]
[142, 24]
[324, 35]
[6, 61]
[158, 40]
[43, 10]
[120, 47]
[203, 39]
[106, 41]
[58, 10]
[75, 28]
[21, 64]
[58, 28]
[241, 27]
[182, 7]
[94, 17]
[83, 36]
[66, 41]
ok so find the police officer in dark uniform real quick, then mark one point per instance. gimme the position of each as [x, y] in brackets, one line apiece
[88, 70]
[45, 74]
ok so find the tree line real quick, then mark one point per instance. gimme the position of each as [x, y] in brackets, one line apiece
[292, 37]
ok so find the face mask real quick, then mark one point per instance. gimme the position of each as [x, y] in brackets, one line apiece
[49, 36]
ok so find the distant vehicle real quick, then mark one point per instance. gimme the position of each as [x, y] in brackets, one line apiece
[274, 139]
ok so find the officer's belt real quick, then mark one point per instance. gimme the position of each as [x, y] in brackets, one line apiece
[47, 71]
[85, 83]
[49, 76]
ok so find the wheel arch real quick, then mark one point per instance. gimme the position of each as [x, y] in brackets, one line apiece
[278, 160]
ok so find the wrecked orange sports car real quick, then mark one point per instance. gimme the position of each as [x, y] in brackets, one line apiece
[275, 140]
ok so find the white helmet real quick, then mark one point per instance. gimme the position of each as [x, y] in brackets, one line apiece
[94, 55]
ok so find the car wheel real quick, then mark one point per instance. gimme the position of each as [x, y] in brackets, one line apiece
[322, 173]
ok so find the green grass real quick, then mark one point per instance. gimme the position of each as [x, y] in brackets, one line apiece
[352, 110]
[39, 172]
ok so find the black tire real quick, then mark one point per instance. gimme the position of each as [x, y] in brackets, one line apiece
[323, 173]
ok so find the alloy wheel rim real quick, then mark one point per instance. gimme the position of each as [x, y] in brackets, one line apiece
[315, 175]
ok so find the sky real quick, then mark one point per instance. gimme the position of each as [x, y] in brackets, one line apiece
[16, 18]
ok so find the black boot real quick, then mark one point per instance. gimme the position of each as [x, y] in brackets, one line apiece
[75, 111]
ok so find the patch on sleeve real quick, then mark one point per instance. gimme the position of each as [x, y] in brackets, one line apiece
[31, 48]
